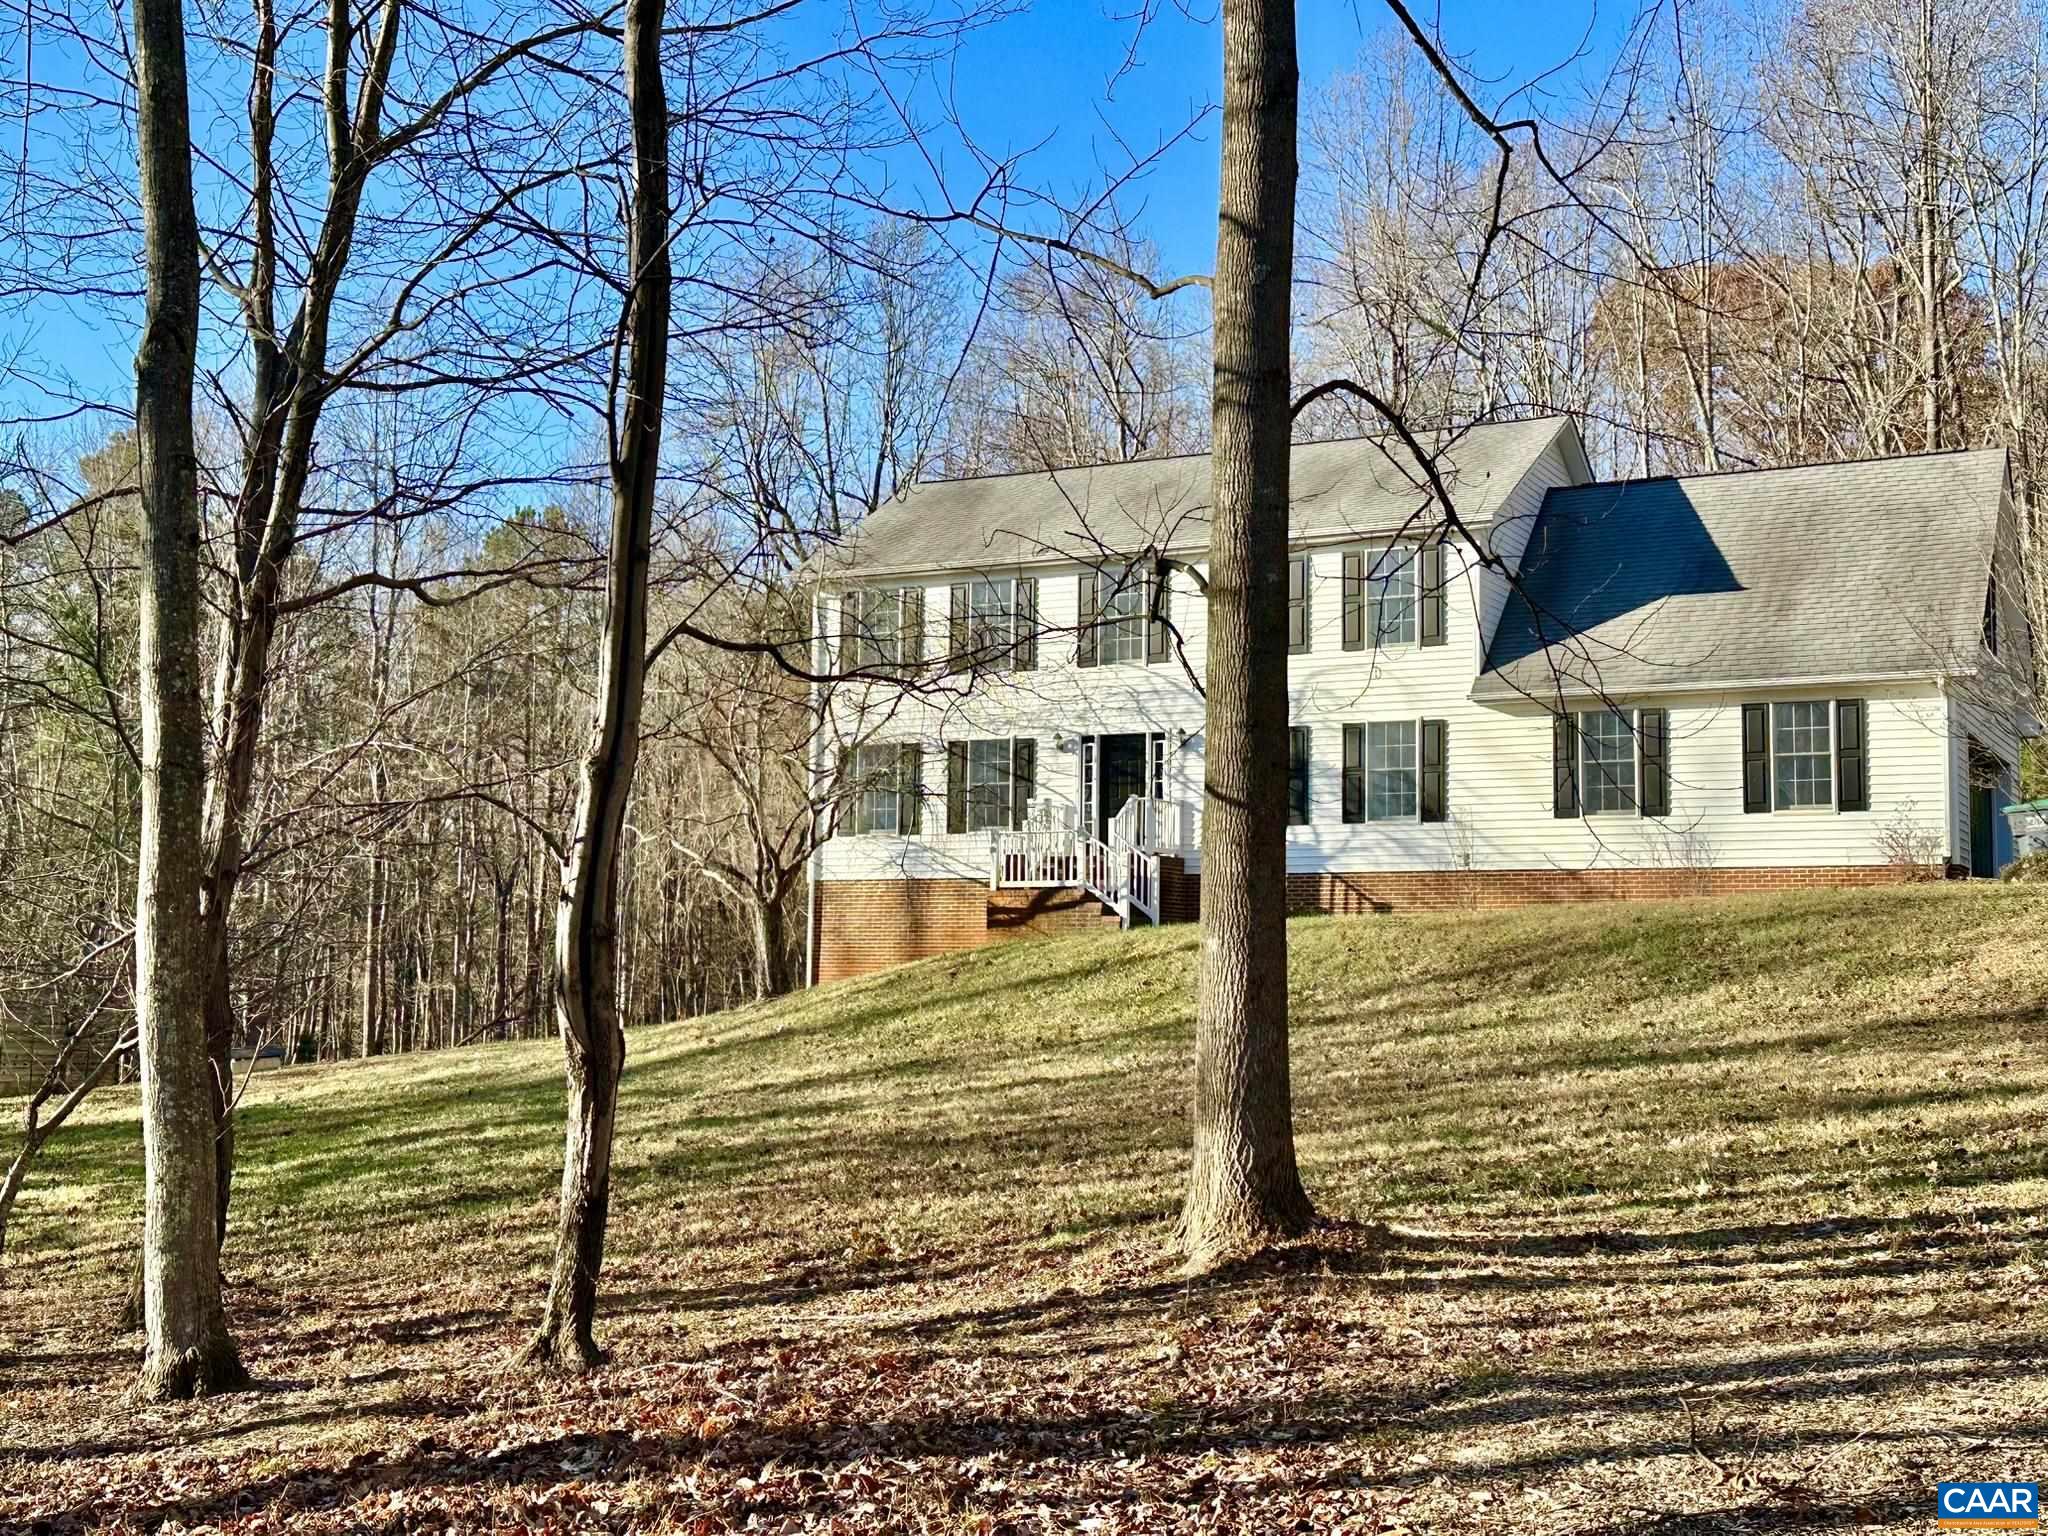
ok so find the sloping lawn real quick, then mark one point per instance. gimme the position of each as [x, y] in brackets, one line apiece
[1716, 1215]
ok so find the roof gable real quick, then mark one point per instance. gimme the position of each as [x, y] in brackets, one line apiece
[1831, 570]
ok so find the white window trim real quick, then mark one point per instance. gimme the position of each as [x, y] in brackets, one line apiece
[1411, 564]
[1415, 769]
[1120, 581]
[1635, 792]
[1828, 713]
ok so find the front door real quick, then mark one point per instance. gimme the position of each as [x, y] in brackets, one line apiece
[1983, 831]
[1985, 773]
[1123, 775]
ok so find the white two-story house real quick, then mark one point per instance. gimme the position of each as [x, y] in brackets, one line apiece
[1567, 689]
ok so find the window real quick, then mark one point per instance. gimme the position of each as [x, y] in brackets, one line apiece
[876, 797]
[1991, 615]
[1120, 614]
[991, 618]
[881, 627]
[1297, 776]
[1802, 759]
[1297, 605]
[1390, 770]
[1607, 761]
[988, 785]
[1391, 596]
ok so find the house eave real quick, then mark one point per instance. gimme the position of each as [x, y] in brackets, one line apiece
[1575, 691]
[852, 575]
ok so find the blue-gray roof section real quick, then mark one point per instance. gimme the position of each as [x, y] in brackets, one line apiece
[1862, 570]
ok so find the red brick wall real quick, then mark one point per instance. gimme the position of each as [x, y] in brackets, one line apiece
[1180, 893]
[1021, 914]
[869, 925]
[1450, 890]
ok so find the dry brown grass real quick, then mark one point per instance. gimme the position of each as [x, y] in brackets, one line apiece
[1708, 1216]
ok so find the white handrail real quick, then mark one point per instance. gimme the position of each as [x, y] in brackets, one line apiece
[1121, 876]
[1145, 822]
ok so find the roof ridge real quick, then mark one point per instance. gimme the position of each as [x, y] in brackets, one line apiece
[1779, 469]
[1203, 453]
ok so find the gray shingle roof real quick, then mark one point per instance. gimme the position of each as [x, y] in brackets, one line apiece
[1356, 487]
[1837, 570]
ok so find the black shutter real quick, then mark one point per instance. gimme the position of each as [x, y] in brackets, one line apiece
[1026, 652]
[1564, 765]
[849, 631]
[957, 659]
[1379, 564]
[956, 786]
[1297, 605]
[1433, 629]
[1653, 733]
[1354, 602]
[910, 628]
[1023, 778]
[1852, 757]
[1756, 758]
[1435, 783]
[1297, 776]
[1090, 608]
[1354, 771]
[1158, 632]
[910, 789]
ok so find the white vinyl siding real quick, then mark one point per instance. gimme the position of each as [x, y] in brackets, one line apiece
[1501, 811]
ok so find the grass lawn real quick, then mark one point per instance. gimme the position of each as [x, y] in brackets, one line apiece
[1716, 1215]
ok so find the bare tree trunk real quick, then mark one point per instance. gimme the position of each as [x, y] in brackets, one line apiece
[771, 946]
[586, 926]
[188, 1350]
[1244, 1188]
[1932, 388]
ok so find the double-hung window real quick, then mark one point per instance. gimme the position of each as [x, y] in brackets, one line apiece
[1611, 761]
[988, 785]
[1390, 770]
[1802, 756]
[1607, 761]
[992, 618]
[881, 628]
[1390, 586]
[882, 789]
[878, 626]
[1120, 614]
[1396, 770]
[877, 799]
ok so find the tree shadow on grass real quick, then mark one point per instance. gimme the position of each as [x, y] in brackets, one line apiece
[1052, 1456]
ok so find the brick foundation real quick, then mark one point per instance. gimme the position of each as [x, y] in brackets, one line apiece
[870, 925]
[1452, 890]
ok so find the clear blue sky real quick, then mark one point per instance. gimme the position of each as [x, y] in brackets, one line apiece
[1044, 73]
[1043, 76]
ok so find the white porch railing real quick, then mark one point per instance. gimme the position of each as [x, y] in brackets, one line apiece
[1122, 873]
[1144, 822]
